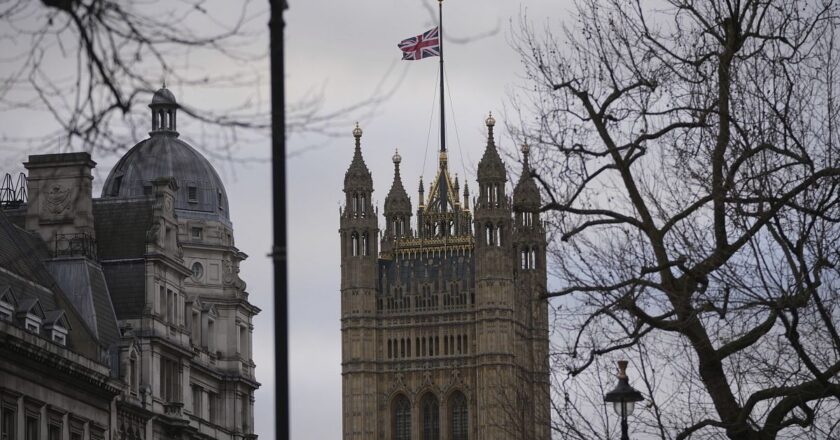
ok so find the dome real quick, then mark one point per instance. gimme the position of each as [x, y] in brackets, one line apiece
[163, 96]
[200, 194]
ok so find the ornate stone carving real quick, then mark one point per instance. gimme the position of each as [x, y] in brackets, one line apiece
[56, 200]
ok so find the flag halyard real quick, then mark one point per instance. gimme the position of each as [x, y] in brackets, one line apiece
[422, 46]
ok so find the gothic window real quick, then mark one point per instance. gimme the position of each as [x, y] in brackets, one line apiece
[365, 251]
[390, 351]
[408, 347]
[355, 205]
[489, 233]
[458, 421]
[430, 415]
[533, 258]
[445, 346]
[402, 418]
[458, 339]
[499, 232]
[417, 347]
[364, 205]
[402, 348]
[354, 238]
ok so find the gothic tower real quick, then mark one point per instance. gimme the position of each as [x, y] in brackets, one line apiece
[532, 311]
[444, 334]
[358, 298]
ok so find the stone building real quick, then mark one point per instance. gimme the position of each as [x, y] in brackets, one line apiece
[444, 334]
[123, 316]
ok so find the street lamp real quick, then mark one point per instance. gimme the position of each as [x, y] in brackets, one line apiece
[623, 398]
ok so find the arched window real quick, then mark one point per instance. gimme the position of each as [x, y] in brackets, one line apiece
[458, 421]
[365, 251]
[429, 414]
[402, 418]
[533, 258]
[489, 233]
[355, 205]
[364, 205]
[499, 232]
[354, 238]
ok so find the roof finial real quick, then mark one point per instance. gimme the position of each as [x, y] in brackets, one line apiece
[490, 121]
[357, 133]
[397, 158]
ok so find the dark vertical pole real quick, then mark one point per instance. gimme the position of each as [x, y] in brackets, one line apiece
[278, 250]
[442, 114]
[624, 435]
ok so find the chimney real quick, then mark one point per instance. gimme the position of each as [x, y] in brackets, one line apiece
[60, 196]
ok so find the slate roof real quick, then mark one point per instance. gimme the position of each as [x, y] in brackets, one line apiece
[126, 283]
[84, 284]
[22, 269]
[121, 227]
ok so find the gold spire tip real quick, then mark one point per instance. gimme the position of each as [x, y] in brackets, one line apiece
[490, 121]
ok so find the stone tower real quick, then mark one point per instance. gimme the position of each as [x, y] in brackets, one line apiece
[444, 332]
[358, 231]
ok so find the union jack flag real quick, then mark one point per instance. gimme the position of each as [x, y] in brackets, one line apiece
[424, 45]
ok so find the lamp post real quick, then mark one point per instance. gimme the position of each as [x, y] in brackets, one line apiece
[623, 398]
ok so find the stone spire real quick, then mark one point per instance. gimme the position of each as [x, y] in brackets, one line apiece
[526, 195]
[358, 176]
[491, 167]
[397, 201]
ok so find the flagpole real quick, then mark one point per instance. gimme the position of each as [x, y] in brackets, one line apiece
[442, 114]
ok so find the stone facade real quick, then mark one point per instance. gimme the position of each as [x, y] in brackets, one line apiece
[444, 333]
[128, 319]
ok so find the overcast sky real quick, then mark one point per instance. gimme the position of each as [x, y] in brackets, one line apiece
[349, 46]
[347, 50]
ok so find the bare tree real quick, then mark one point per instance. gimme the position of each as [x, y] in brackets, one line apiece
[688, 153]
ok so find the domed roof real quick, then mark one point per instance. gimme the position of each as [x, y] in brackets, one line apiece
[163, 96]
[200, 193]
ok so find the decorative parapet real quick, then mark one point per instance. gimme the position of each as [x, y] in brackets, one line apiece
[80, 244]
[406, 247]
